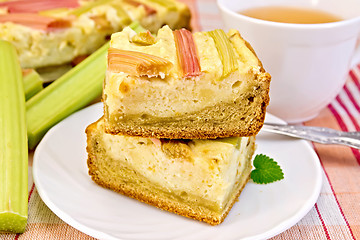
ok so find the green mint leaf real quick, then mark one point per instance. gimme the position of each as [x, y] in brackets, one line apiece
[266, 170]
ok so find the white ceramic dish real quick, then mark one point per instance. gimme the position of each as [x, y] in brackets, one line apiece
[60, 175]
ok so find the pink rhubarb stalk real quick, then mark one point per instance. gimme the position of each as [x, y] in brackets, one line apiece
[156, 142]
[186, 53]
[34, 6]
[137, 63]
[149, 10]
[36, 21]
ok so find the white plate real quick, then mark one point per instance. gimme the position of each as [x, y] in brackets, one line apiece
[60, 175]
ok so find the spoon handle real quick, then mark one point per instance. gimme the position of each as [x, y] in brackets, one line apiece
[316, 134]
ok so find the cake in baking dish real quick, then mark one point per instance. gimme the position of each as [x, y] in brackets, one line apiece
[49, 32]
[199, 179]
[183, 85]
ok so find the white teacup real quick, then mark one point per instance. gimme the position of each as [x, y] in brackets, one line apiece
[308, 62]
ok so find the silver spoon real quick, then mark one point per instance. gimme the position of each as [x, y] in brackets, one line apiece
[316, 134]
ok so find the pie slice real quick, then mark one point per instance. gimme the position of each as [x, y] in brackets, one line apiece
[199, 179]
[180, 85]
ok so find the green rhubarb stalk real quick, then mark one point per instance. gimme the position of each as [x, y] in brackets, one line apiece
[125, 19]
[168, 4]
[225, 50]
[74, 90]
[87, 7]
[32, 83]
[13, 144]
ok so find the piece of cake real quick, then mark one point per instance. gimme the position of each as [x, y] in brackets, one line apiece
[180, 85]
[50, 32]
[199, 179]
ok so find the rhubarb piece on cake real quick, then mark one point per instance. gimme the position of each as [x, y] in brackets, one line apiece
[199, 179]
[48, 32]
[180, 85]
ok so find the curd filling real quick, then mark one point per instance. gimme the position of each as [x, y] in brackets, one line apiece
[208, 170]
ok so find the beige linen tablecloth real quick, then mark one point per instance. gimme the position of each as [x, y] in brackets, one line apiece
[336, 214]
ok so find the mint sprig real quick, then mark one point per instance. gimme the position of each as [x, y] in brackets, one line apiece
[266, 170]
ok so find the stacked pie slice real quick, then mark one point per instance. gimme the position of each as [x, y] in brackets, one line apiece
[181, 112]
